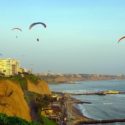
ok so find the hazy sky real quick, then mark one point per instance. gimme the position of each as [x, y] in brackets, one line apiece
[81, 35]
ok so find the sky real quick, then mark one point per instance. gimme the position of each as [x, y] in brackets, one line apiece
[81, 35]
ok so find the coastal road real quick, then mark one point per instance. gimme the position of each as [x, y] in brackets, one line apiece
[68, 107]
[72, 114]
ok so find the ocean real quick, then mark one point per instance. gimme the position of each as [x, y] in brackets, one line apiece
[101, 107]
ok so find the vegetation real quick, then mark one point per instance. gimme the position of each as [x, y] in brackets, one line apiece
[37, 103]
[9, 120]
[46, 121]
[33, 78]
[43, 101]
[22, 79]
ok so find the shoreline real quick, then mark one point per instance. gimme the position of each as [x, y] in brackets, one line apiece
[74, 115]
[78, 118]
[78, 112]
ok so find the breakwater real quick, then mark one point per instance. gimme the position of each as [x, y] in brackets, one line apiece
[99, 93]
[100, 121]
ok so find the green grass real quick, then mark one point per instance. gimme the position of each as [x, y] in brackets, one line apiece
[46, 121]
[9, 120]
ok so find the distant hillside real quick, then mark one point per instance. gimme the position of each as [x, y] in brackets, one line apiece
[70, 78]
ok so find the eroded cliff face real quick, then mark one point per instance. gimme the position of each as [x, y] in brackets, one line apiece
[41, 87]
[12, 101]
[12, 98]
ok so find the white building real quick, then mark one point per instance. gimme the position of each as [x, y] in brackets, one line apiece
[9, 67]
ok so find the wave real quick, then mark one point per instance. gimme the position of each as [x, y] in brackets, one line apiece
[107, 103]
[83, 110]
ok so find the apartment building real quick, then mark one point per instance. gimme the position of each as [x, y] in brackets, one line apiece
[9, 67]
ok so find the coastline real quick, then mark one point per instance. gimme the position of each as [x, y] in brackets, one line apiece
[78, 118]
[74, 115]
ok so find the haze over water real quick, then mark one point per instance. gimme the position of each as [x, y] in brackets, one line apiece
[102, 107]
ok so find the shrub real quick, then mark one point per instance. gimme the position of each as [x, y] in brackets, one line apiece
[9, 120]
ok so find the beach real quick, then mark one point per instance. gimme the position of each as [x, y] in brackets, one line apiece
[72, 113]
[75, 117]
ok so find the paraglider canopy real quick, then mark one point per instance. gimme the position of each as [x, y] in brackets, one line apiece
[19, 29]
[121, 39]
[16, 29]
[37, 23]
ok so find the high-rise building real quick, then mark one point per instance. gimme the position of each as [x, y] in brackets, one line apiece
[9, 67]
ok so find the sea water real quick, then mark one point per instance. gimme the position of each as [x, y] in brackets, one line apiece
[102, 106]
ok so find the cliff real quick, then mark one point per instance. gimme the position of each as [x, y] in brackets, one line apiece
[12, 100]
[41, 87]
